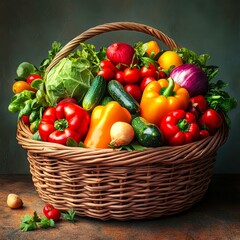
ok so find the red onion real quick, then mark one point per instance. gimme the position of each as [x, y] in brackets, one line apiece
[120, 53]
[191, 77]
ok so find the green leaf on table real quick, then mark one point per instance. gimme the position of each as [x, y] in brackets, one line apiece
[46, 223]
[69, 216]
[28, 223]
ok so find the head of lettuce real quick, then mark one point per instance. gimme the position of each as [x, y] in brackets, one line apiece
[68, 78]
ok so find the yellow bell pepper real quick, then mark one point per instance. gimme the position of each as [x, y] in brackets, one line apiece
[102, 118]
[161, 97]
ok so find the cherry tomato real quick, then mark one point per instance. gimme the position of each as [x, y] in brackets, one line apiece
[108, 64]
[33, 77]
[134, 90]
[119, 76]
[106, 73]
[25, 119]
[146, 81]
[131, 75]
[150, 71]
[51, 213]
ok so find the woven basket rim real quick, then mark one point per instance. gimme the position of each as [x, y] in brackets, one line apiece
[165, 154]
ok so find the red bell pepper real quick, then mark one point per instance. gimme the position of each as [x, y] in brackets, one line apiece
[66, 120]
[197, 105]
[179, 127]
[211, 120]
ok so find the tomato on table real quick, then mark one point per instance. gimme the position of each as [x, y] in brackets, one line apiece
[51, 213]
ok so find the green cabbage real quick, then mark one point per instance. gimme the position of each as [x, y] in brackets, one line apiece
[68, 78]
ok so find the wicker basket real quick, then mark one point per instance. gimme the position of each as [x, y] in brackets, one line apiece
[122, 185]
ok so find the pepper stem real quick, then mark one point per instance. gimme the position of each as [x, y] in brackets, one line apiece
[183, 125]
[168, 91]
[61, 124]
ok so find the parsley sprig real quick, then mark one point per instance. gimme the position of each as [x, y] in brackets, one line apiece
[30, 223]
[69, 216]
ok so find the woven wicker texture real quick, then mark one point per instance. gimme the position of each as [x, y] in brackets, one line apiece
[122, 185]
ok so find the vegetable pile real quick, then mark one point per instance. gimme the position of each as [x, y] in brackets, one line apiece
[123, 96]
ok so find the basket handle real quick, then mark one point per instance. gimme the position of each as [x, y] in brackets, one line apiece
[108, 27]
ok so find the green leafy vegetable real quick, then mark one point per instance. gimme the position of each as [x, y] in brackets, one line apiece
[144, 60]
[26, 103]
[189, 56]
[46, 223]
[29, 223]
[56, 47]
[72, 143]
[68, 79]
[69, 216]
[36, 218]
[89, 53]
[19, 100]
[219, 100]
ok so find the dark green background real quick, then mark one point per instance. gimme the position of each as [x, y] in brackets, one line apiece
[27, 29]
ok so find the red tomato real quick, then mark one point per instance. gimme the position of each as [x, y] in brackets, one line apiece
[106, 73]
[108, 64]
[33, 77]
[131, 75]
[146, 81]
[119, 76]
[212, 118]
[134, 90]
[25, 119]
[150, 71]
[51, 213]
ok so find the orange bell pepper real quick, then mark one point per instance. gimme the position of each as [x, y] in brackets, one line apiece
[161, 97]
[102, 118]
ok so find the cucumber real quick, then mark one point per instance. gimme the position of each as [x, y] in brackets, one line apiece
[147, 134]
[106, 100]
[95, 93]
[118, 93]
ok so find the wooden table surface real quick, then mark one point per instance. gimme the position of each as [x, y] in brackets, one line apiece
[216, 217]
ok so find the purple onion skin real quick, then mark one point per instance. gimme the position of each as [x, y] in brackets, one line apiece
[191, 77]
